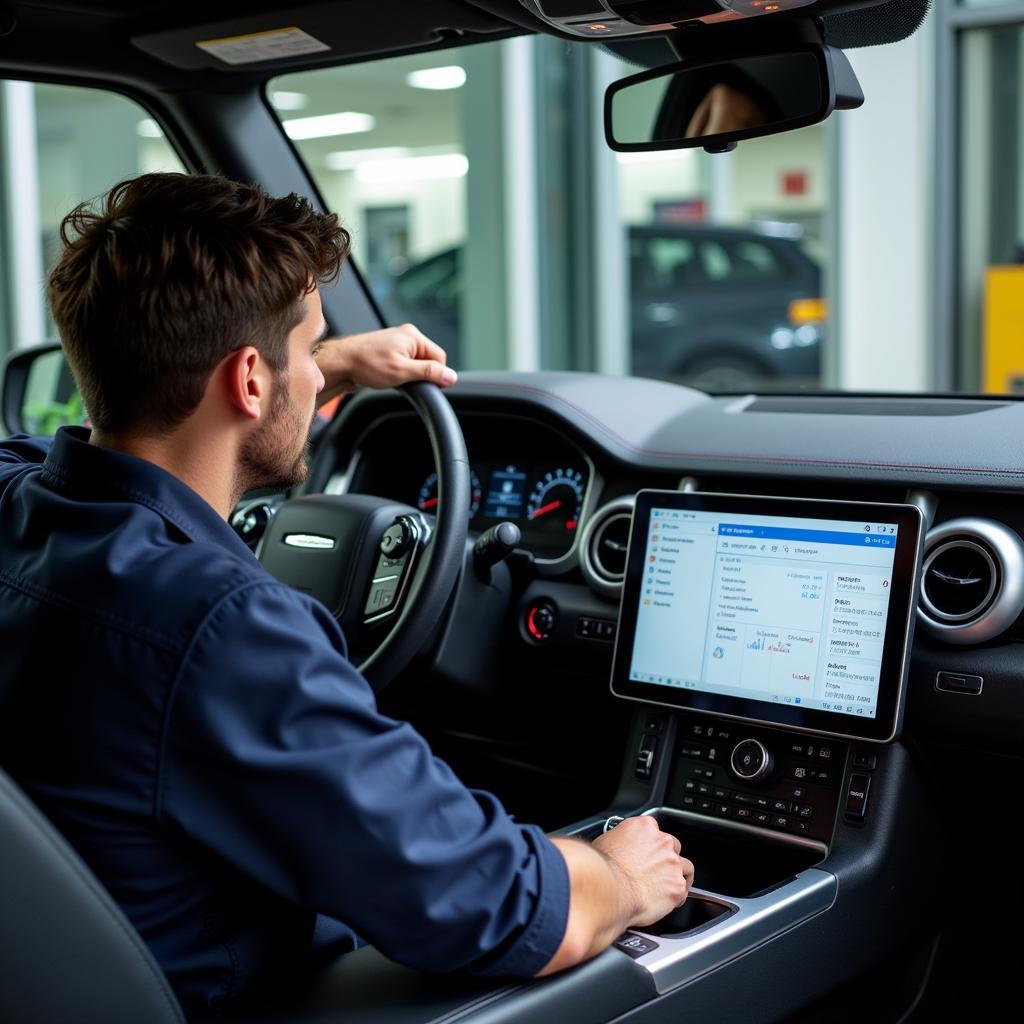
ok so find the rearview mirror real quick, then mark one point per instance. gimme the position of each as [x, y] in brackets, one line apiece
[716, 104]
[39, 393]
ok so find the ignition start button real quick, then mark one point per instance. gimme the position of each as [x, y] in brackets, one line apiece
[541, 620]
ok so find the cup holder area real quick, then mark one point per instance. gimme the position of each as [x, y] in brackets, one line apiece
[740, 866]
[694, 914]
[732, 864]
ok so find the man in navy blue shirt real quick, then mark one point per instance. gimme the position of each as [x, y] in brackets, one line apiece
[191, 724]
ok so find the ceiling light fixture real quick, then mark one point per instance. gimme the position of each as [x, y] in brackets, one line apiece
[147, 128]
[282, 99]
[350, 159]
[450, 77]
[321, 126]
[414, 168]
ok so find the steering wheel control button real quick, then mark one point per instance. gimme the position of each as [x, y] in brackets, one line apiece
[635, 945]
[541, 620]
[750, 760]
[857, 798]
[382, 597]
[397, 539]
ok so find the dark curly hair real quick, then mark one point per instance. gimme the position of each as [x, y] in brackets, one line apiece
[167, 274]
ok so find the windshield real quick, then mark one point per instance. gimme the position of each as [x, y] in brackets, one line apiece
[486, 207]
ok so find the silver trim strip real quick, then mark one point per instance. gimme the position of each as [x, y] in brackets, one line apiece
[682, 958]
[310, 541]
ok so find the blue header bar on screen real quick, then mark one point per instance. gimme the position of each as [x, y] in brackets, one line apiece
[860, 540]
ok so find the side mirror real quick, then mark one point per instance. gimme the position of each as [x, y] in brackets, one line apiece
[720, 102]
[39, 393]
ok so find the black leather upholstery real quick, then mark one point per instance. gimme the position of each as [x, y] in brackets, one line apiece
[67, 953]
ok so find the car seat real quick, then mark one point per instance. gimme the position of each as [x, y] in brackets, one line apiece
[67, 952]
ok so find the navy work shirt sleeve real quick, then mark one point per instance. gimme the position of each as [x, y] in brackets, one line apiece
[20, 451]
[276, 758]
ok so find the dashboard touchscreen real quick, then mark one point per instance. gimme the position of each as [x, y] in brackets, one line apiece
[792, 611]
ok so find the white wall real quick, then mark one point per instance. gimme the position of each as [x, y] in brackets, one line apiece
[754, 180]
[648, 178]
[883, 235]
[437, 209]
[760, 166]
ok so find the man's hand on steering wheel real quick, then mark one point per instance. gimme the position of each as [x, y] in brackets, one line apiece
[381, 359]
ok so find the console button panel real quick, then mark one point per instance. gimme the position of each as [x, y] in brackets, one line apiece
[799, 795]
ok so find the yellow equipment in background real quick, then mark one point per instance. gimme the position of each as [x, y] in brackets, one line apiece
[1003, 341]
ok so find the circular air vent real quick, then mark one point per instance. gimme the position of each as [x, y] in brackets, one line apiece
[604, 544]
[972, 584]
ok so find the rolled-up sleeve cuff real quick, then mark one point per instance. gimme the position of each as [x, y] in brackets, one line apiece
[539, 942]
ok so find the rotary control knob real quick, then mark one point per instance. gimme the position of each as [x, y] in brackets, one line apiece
[397, 538]
[750, 760]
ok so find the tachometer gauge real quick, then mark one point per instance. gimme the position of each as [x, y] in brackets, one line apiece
[427, 501]
[557, 498]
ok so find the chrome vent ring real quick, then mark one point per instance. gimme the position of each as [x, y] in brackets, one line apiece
[972, 580]
[603, 547]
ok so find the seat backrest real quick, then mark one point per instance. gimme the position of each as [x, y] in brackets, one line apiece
[67, 952]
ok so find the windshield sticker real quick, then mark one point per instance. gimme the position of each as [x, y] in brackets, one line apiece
[255, 47]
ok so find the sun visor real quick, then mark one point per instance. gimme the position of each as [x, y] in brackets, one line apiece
[280, 39]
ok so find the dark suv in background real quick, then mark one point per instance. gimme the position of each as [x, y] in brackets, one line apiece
[718, 308]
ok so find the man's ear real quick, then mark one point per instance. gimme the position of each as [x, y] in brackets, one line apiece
[244, 377]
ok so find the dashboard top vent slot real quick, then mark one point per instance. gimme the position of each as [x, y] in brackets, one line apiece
[839, 406]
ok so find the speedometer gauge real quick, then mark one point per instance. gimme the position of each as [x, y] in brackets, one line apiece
[427, 500]
[557, 498]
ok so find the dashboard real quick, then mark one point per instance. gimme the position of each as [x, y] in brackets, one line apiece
[563, 455]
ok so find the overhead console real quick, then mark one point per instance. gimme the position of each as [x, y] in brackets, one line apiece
[622, 18]
[595, 19]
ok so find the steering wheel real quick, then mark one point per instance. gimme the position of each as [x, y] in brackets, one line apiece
[383, 569]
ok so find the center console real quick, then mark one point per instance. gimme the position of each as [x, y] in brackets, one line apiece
[768, 637]
[761, 656]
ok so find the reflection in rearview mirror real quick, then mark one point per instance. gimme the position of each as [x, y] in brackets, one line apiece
[719, 103]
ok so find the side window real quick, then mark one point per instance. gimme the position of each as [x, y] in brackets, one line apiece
[59, 145]
[740, 262]
[715, 261]
[663, 264]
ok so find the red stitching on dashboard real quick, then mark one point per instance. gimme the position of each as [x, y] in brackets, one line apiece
[793, 459]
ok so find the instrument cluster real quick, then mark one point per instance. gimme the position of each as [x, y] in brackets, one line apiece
[521, 472]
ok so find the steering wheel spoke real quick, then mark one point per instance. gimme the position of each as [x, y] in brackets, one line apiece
[383, 570]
